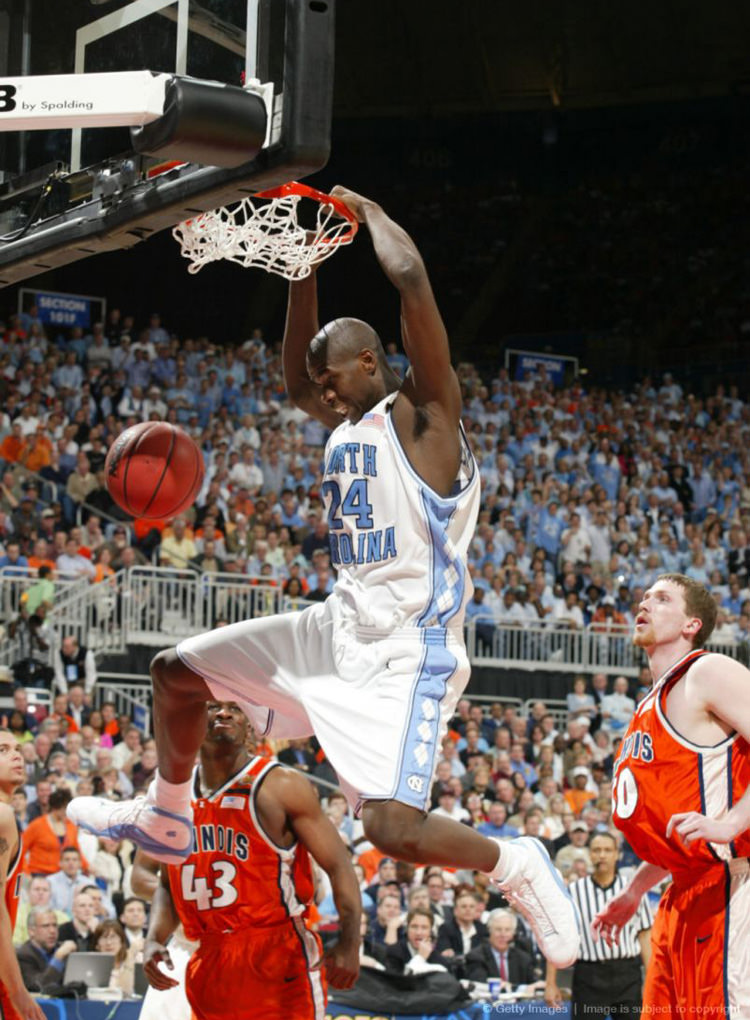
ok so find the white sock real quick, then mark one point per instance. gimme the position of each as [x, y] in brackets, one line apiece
[503, 864]
[174, 797]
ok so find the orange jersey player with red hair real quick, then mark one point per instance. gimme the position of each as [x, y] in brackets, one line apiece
[682, 799]
[15, 1001]
[245, 891]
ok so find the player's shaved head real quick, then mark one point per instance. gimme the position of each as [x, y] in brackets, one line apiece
[343, 339]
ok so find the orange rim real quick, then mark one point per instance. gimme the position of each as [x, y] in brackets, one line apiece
[305, 191]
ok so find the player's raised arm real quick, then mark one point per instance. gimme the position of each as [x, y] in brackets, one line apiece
[720, 686]
[431, 378]
[10, 972]
[298, 798]
[162, 923]
[301, 326]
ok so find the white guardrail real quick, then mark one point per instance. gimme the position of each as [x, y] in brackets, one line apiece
[157, 606]
[564, 650]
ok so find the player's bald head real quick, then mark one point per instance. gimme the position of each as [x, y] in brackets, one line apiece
[342, 340]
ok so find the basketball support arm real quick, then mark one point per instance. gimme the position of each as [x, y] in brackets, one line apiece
[170, 116]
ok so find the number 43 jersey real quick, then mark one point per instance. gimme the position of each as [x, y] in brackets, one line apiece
[236, 876]
[659, 773]
[399, 548]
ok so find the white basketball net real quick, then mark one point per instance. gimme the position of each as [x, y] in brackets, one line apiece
[264, 232]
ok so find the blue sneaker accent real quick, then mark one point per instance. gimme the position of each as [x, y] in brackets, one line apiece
[128, 830]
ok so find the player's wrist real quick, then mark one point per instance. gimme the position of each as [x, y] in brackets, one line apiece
[738, 821]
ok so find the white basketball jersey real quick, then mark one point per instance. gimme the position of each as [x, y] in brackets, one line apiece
[399, 548]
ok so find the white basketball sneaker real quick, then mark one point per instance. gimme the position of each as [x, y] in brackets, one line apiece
[165, 836]
[532, 885]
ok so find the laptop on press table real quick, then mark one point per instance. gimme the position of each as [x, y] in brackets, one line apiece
[94, 969]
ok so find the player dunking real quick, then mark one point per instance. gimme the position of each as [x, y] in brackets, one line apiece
[243, 892]
[15, 1000]
[376, 670]
[682, 799]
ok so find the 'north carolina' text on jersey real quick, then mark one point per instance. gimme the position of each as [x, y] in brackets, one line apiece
[236, 876]
[659, 773]
[399, 548]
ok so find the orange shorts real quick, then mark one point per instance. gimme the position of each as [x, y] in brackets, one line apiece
[700, 947]
[263, 972]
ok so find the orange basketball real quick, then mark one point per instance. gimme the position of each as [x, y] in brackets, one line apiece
[154, 470]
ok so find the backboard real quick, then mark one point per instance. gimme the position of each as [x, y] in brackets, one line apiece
[94, 193]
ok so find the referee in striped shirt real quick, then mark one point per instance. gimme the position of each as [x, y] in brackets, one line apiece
[605, 980]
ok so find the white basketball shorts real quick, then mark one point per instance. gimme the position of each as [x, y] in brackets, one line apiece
[378, 703]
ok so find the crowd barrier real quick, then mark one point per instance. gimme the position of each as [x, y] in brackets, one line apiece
[157, 606]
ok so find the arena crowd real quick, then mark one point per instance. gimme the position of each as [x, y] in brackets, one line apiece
[587, 496]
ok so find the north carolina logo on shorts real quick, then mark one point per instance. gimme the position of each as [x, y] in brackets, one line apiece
[415, 783]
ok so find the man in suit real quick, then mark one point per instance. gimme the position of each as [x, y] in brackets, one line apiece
[498, 957]
[298, 755]
[386, 924]
[461, 934]
[415, 952]
[42, 958]
[133, 919]
[435, 882]
[40, 806]
[77, 708]
[81, 929]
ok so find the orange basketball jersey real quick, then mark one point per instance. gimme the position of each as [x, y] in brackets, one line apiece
[236, 876]
[659, 773]
[13, 882]
[12, 889]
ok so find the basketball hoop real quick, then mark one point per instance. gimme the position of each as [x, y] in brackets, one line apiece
[264, 231]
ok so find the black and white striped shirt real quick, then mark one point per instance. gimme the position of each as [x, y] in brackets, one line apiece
[588, 899]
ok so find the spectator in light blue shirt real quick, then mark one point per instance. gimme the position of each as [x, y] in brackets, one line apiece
[163, 367]
[139, 370]
[13, 564]
[550, 529]
[733, 601]
[496, 825]
[78, 343]
[182, 398]
[289, 510]
[70, 375]
[63, 883]
[605, 469]
[246, 403]
[518, 763]
[156, 332]
[704, 491]
[398, 362]
[231, 396]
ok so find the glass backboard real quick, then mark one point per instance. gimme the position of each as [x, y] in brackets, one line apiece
[104, 197]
